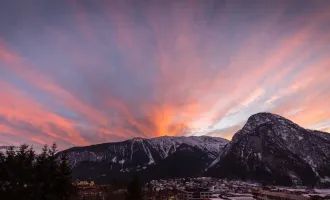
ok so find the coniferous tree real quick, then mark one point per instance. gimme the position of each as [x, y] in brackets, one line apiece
[42, 179]
[64, 181]
[3, 175]
[11, 178]
[134, 189]
[25, 175]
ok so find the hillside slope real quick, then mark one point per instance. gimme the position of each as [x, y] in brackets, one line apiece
[273, 149]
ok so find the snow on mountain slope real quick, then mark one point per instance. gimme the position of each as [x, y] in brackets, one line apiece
[274, 149]
[211, 145]
[139, 153]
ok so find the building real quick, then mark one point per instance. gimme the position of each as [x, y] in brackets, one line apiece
[91, 193]
[195, 194]
[161, 195]
[276, 195]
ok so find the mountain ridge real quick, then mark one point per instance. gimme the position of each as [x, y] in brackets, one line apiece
[146, 156]
[268, 148]
[151, 138]
[274, 149]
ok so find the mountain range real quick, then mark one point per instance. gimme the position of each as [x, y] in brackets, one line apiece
[269, 148]
[154, 158]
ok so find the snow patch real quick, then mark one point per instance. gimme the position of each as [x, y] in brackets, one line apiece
[259, 156]
[325, 180]
[312, 165]
[132, 150]
[217, 160]
[147, 151]
[122, 164]
[242, 154]
[284, 136]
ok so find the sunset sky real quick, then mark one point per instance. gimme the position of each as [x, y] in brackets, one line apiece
[81, 72]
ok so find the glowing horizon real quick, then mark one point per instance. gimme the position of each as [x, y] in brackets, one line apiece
[86, 72]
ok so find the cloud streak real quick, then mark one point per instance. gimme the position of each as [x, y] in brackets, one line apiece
[82, 72]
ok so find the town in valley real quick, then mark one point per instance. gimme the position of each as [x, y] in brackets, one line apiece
[204, 188]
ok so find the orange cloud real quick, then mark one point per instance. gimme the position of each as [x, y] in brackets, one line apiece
[27, 72]
[188, 71]
[17, 105]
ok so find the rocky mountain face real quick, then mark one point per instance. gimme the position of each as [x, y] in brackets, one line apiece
[269, 148]
[161, 157]
[275, 150]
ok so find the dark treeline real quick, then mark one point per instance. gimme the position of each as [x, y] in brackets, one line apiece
[25, 175]
[134, 191]
[123, 189]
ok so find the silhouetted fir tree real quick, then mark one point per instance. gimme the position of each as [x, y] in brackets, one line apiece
[117, 184]
[3, 174]
[134, 189]
[64, 186]
[11, 179]
[52, 169]
[42, 176]
[25, 175]
[98, 198]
